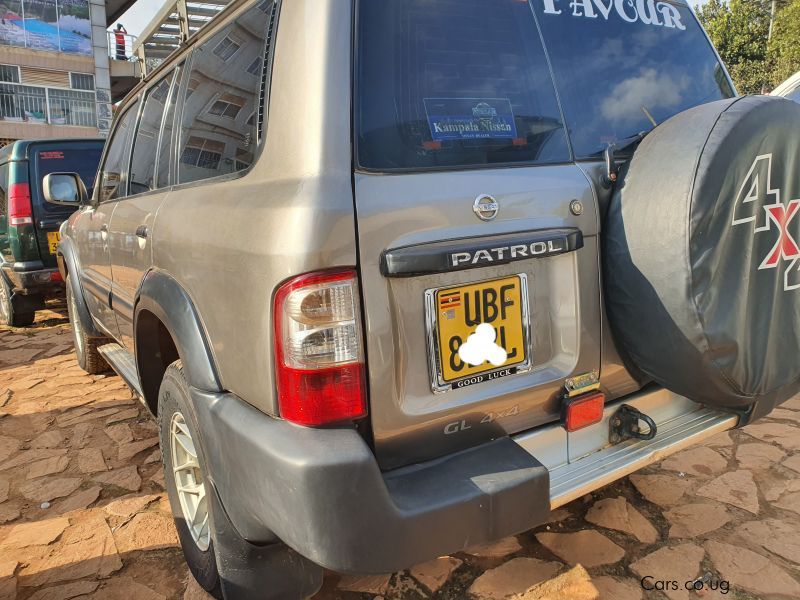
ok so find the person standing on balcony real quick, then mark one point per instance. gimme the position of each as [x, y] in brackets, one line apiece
[119, 38]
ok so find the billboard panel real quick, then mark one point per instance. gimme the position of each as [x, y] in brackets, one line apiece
[54, 25]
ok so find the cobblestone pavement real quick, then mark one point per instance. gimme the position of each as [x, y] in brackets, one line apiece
[83, 512]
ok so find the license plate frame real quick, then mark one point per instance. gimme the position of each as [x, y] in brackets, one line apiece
[53, 238]
[438, 383]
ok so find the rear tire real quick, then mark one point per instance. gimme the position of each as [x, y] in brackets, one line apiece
[8, 316]
[89, 359]
[178, 435]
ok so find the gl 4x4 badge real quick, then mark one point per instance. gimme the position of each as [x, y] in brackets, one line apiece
[757, 192]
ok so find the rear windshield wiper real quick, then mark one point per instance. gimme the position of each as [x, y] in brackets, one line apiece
[610, 176]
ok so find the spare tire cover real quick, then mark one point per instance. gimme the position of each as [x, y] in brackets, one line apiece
[702, 257]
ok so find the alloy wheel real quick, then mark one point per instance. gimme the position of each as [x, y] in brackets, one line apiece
[189, 481]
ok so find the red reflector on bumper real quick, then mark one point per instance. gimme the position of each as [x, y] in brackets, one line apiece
[582, 411]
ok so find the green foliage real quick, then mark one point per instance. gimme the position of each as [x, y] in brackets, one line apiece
[739, 30]
[784, 47]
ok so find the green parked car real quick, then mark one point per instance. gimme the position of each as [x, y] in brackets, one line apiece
[29, 225]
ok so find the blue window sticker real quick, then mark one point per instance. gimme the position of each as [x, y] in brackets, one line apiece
[470, 118]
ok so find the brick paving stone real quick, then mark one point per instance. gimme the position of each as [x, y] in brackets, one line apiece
[758, 456]
[617, 513]
[617, 588]
[79, 434]
[691, 520]
[790, 501]
[365, 584]
[128, 451]
[45, 490]
[8, 513]
[773, 485]
[48, 466]
[125, 588]
[675, 563]
[86, 549]
[153, 457]
[434, 573]
[78, 500]
[575, 584]
[513, 577]
[121, 433]
[127, 506]
[498, 549]
[751, 571]
[90, 460]
[700, 461]
[792, 462]
[146, 531]
[8, 446]
[125, 477]
[124, 415]
[664, 489]
[193, 591]
[779, 537]
[35, 533]
[4, 487]
[589, 548]
[783, 434]
[27, 457]
[66, 591]
[48, 439]
[736, 488]
[8, 582]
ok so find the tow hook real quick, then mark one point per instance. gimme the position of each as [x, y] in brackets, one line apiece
[624, 425]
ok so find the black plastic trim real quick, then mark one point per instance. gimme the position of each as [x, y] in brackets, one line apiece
[161, 295]
[476, 252]
[321, 491]
[67, 258]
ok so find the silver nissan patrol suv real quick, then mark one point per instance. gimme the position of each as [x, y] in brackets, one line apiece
[401, 276]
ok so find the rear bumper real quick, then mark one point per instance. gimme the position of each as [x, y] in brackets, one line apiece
[321, 492]
[32, 277]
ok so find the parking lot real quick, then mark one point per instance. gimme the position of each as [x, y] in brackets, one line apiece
[83, 512]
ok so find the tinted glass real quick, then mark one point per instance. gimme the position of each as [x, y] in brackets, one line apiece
[794, 94]
[217, 136]
[622, 65]
[165, 143]
[82, 161]
[112, 179]
[453, 83]
[143, 159]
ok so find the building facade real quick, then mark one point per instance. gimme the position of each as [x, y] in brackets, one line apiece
[55, 78]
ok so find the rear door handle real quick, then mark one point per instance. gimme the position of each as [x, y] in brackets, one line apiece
[142, 231]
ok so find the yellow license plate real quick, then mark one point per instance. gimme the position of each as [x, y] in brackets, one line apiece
[53, 237]
[481, 330]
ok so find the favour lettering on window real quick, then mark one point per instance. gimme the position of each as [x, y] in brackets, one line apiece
[647, 12]
[470, 118]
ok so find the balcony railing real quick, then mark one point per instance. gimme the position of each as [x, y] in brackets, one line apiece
[120, 46]
[33, 104]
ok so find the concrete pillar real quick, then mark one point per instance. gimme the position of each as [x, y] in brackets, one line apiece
[102, 76]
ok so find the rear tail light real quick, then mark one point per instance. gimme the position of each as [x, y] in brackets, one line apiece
[319, 351]
[20, 211]
[584, 410]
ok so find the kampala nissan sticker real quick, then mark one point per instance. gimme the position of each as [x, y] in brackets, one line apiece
[470, 118]
[647, 12]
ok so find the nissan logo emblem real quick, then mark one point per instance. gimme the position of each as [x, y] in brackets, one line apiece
[485, 207]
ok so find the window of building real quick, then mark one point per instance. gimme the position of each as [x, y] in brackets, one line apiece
[9, 73]
[145, 143]
[208, 149]
[113, 175]
[227, 107]
[71, 107]
[226, 48]
[81, 81]
[255, 66]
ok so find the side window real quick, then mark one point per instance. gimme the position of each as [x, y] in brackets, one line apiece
[112, 178]
[165, 143]
[218, 135]
[145, 143]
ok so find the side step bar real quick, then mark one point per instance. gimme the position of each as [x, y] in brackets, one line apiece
[586, 461]
[124, 364]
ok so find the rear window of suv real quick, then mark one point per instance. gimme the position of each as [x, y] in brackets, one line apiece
[622, 65]
[82, 161]
[453, 83]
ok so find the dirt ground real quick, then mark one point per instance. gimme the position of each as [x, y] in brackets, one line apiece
[83, 512]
